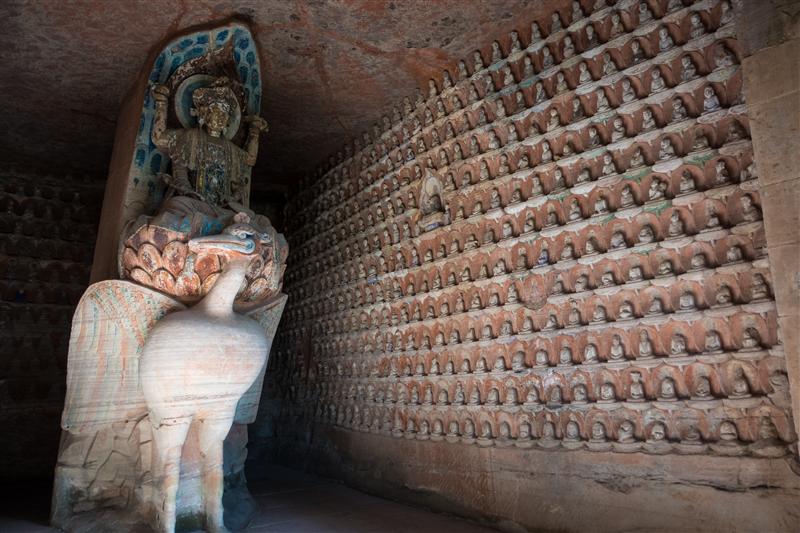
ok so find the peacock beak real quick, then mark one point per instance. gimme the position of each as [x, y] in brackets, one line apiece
[222, 244]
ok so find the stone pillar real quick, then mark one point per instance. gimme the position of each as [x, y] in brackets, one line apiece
[770, 32]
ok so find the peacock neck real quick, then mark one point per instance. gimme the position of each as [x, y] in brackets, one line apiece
[219, 300]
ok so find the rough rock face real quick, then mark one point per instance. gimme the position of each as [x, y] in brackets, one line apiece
[334, 66]
[559, 248]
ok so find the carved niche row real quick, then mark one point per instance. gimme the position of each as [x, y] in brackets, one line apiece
[518, 209]
[653, 147]
[707, 17]
[761, 431]
[561, 248]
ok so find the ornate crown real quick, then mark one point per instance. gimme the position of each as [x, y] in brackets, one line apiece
[220, 92]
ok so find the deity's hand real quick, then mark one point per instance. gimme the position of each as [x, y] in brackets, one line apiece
[160, 92]
[256, 123]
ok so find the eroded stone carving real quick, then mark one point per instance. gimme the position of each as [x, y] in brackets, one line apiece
[155, 387]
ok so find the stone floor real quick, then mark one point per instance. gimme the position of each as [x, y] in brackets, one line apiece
[291, 502]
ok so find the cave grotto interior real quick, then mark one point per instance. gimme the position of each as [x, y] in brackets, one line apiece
[400, 265]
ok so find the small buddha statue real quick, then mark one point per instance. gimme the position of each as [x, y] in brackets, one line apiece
[608, 65]
[499, 365]
[750, 212]
[532, 398]
[599, 432]
[572, 432]
[448, 368]
[666, 391]
[617, 351]
[480, 366]
[524, 433]
[665, 41]
[590, 354]
[713, 342]
[541, 358]
[617, 131]
[584, 76]
[637, 160]
[689, 71]
[702, 388]
[452, 429]
[607, 393]
[599, 314]
[554, 398]
[626, 196]
[427, 396]
[678, 110]
[414, 396]
[493, 398]
[616, 25]
[579, 394]
[645, 346]
[734, 254]
[518, 362]
[602, 101]
[636, 388]
[656, 307]
[646, 234]
[741, 387]
[458, 398]
[686, 302]
[751, 340]
[676, 227]
[710, 100]
[565, 356]
[723, 295]
[728, 432]
[475, 397]
[469, 429]
[442, 398]
[627, 91]
[677, 345]
[625, 433]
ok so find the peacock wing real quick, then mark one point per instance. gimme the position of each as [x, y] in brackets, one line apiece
[109, 328]
[268, 315]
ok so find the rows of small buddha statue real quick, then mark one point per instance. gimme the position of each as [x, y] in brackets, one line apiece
[48, 229]
[561, 247]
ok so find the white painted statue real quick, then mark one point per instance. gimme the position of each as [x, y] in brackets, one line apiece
[165, 365]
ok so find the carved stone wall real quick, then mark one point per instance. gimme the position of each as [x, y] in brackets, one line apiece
[589, 272]
[48, 228]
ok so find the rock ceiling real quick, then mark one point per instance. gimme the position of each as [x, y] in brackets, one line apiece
[330, 69]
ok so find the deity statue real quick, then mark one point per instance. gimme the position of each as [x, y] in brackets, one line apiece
[210, 173]
[183, 339]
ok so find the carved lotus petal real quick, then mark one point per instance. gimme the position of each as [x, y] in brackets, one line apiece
[174, 257]
[188, 285]
[149, 257]
[140, 276]
[164, 281]
[208, 282]
[129, 259]
[206, 265]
